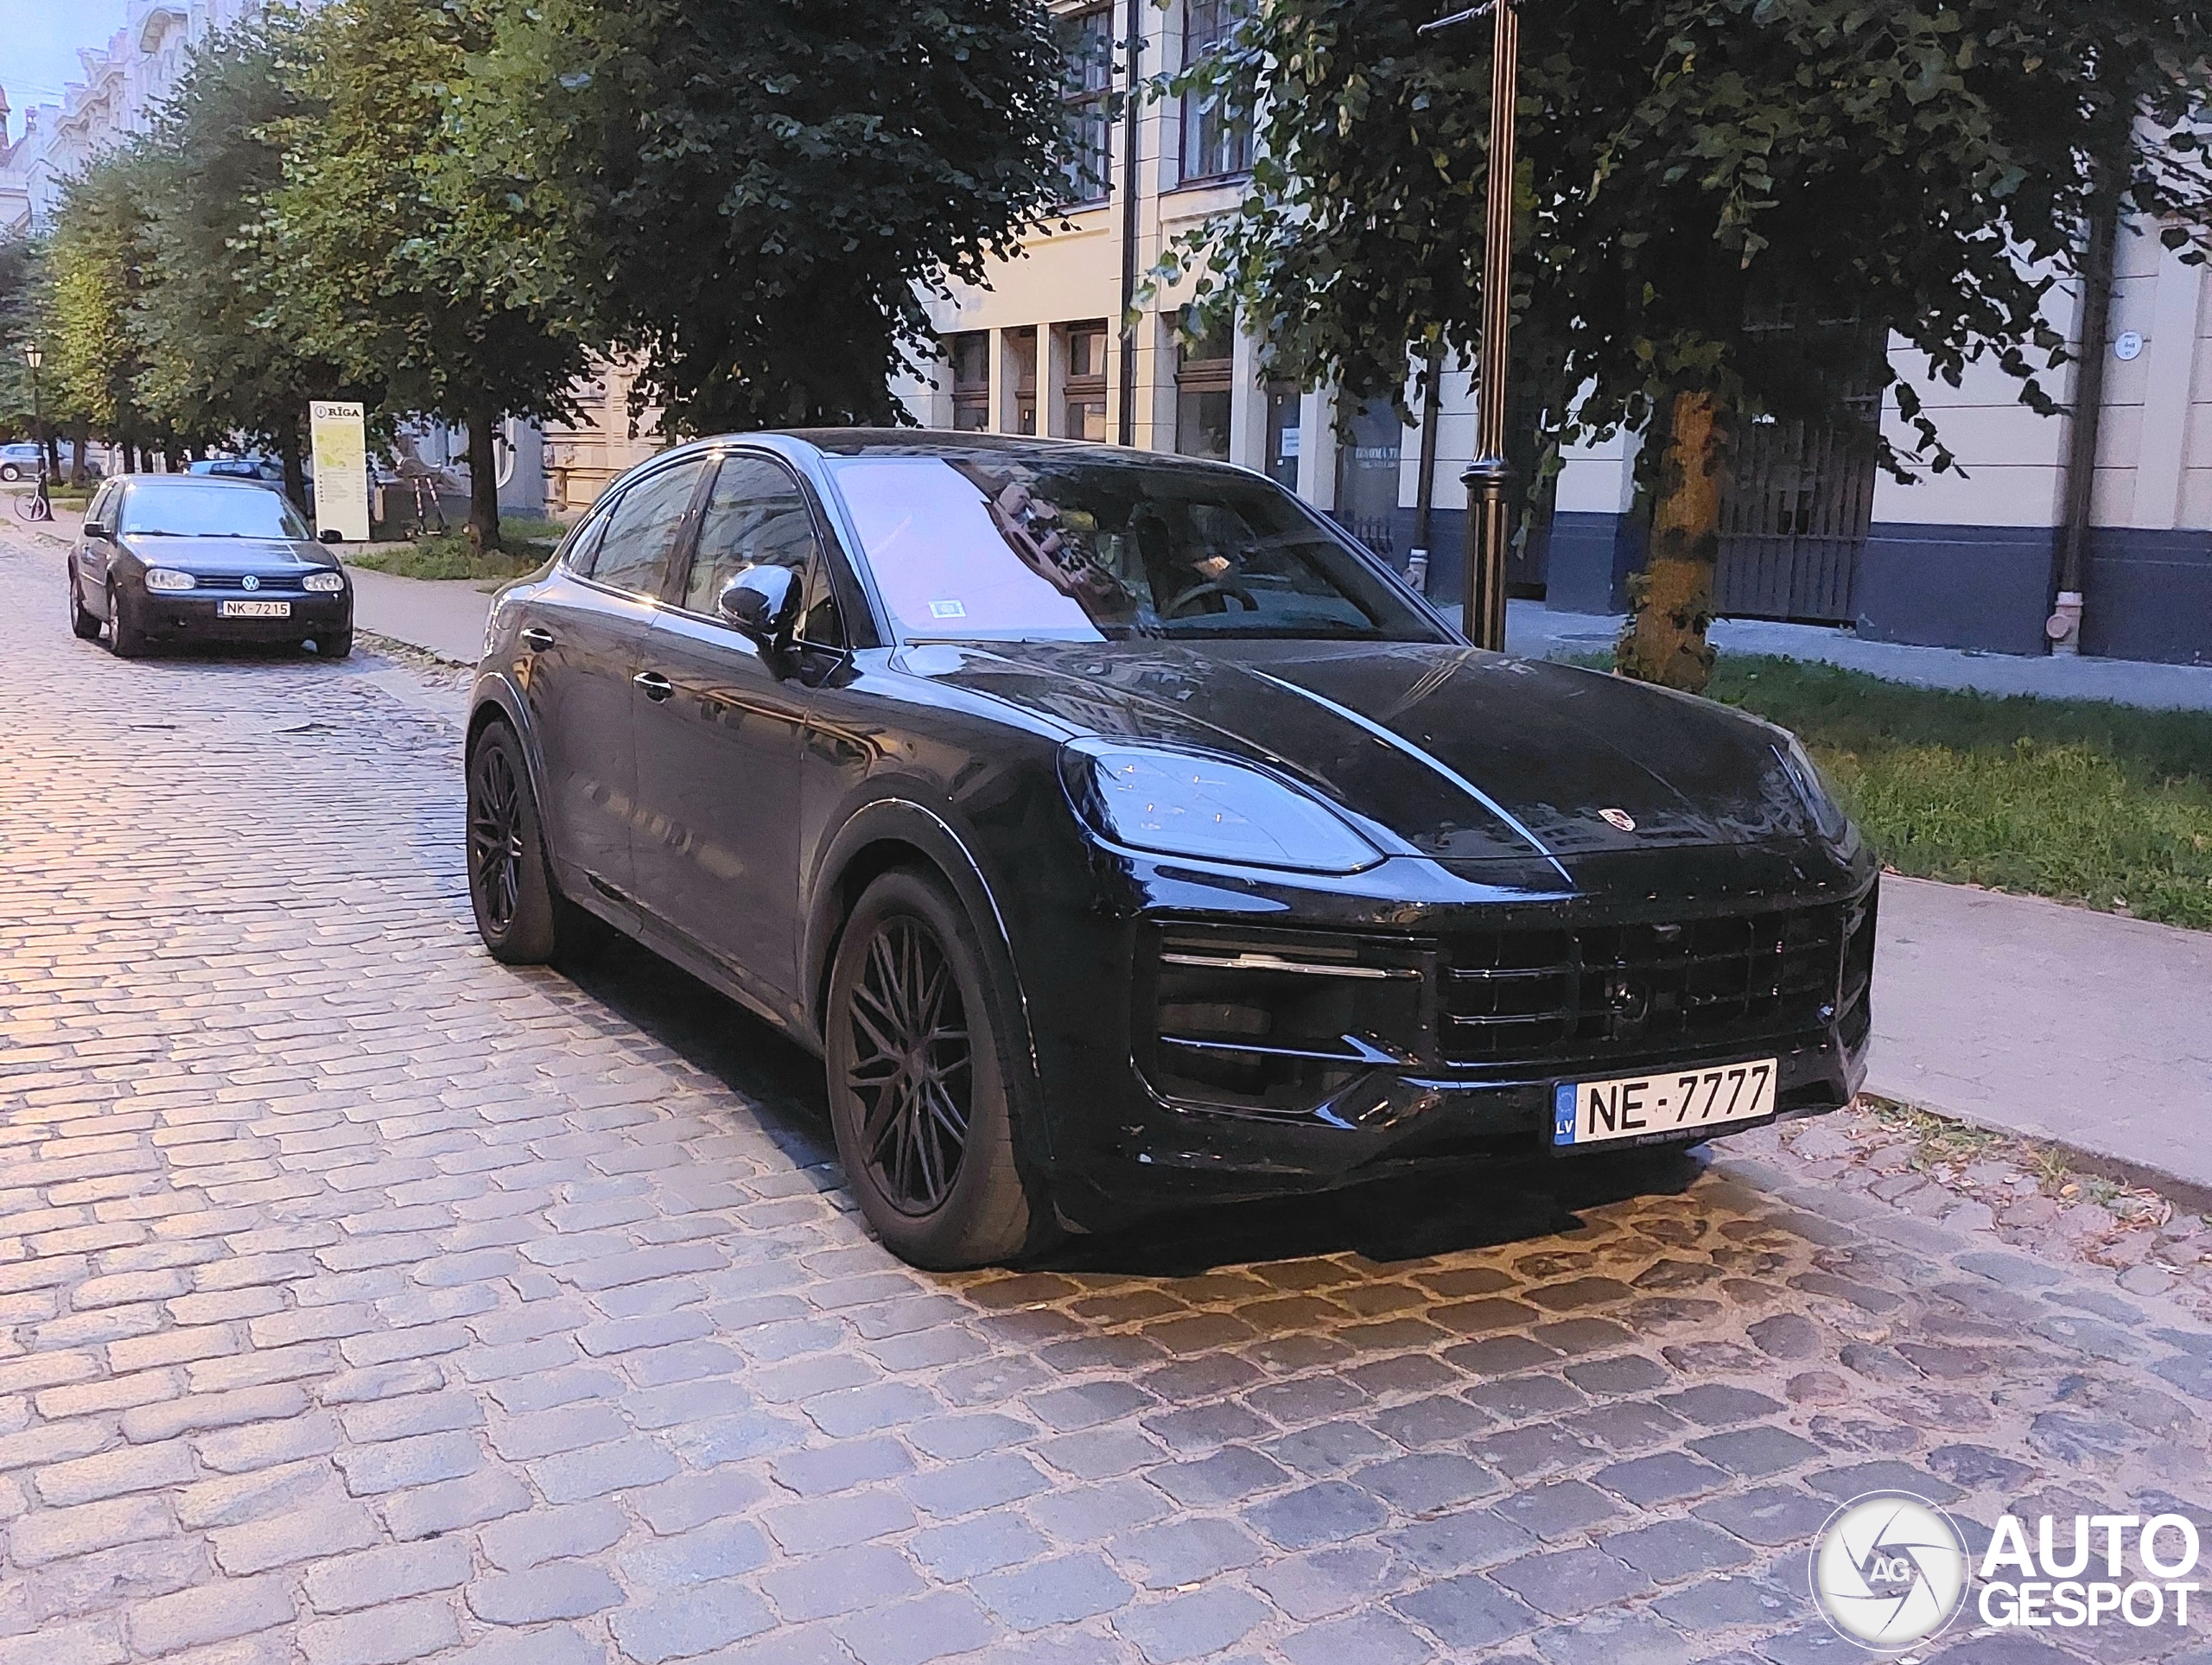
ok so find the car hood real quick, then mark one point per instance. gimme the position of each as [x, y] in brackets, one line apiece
[228, 555]
[1464, 755]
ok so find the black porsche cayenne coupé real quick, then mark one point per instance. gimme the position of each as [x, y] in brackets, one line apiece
[1122, 835]
[186, 557]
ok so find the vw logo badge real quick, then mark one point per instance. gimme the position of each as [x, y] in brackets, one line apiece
[1888, 1571]
[249, 583]
[1620, 818]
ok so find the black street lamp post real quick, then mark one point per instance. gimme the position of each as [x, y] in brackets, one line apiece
[34, 356]
[1489, 474]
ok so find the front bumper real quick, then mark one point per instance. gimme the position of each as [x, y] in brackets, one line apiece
[189, 615]
[1403, 1084]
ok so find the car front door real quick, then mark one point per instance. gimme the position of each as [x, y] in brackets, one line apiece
[583, 635]
[90, 555]
[717, 842]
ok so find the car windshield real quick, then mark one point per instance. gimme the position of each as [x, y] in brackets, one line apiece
[1024, 546]
[163, 509]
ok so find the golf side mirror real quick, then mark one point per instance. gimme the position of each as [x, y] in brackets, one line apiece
[762, 603]
[331, 535]
[98, 533]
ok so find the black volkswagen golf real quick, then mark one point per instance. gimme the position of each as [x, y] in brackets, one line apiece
[1122, 835]
[187, 557]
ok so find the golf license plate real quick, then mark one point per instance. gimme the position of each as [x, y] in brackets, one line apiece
[1670, 1101]
[253, 609]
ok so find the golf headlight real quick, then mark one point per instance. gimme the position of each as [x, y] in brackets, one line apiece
[162, 578]
[1834, 824]
[1189, 803]
[324, 583]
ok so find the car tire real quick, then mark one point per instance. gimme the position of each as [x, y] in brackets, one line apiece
[336, 645]
[911, 956]
[83, 626]
[520, 912]
[126, 637]
[10, 473]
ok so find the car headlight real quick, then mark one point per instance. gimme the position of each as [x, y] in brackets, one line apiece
[165, 578]
[1189, 803]
[324, 583]
[1827, 815]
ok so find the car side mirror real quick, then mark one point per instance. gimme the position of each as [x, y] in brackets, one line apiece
[331, 535]
[762, 604]
[94, 529]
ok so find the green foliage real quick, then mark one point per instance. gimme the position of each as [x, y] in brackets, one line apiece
[372, 271]
[216, 363]
[1695, 172]
[453, 554]
[98, 260]
[745, 192]
[23, 291]
[2079, 799]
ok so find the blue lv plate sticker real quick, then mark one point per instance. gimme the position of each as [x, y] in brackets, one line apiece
[1563, 1114]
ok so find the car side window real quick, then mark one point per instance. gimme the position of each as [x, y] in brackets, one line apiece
[583, 548]
[103, 505]
[641, 529]
[757, 516]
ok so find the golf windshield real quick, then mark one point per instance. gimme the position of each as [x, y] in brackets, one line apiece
[174, 509]
[1003, 546]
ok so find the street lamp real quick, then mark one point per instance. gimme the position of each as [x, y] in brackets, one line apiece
[34, 356]
[1490, 474]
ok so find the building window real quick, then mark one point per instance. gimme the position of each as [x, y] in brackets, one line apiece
[972, 381]
[1085, 389]
[1086, 41]
[1368, 457]
[1021, 351]
[1285, 411]
[1216, 138]
[1203, 378]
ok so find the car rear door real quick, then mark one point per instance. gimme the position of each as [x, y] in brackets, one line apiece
[583, 635]
[717, 841]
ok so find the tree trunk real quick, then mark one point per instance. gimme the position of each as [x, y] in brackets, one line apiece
[77, 458]
[1664, 639]
[483, 484]
[288, 454]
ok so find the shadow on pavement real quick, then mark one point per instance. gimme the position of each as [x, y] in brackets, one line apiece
[1459, 1207]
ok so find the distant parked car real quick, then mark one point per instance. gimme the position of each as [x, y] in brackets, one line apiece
[19, 462]
[238, 468]
[166, 558]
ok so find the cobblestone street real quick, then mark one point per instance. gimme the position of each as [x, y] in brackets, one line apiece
[365, 1301]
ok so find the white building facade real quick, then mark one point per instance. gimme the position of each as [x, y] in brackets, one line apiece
[124, 82]
[1813, 533]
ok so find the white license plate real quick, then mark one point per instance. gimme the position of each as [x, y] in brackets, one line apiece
[253, 609]
[1672, 1101]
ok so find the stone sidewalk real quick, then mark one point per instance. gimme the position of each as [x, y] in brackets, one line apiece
[363, 1302]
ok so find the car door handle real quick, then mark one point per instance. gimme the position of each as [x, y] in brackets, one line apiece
[656, 687]
[537, 639]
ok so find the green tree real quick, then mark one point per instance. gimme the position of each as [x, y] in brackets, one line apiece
[216, 359]
[24, 288]
[1718, 201]
[745, 194]
[373, 239]
[98, 261]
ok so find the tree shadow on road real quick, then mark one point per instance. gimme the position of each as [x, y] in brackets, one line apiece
[1464, 1205]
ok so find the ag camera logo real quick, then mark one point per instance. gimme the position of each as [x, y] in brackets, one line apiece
[1888, 1571]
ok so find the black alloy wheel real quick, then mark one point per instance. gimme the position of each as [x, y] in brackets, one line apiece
[925, 1092]
[495, 838]
[82, 624]
[520, 912]
[126, 637]
[912, 1064]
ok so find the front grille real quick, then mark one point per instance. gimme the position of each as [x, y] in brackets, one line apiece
[1517, 996]
[265, 583]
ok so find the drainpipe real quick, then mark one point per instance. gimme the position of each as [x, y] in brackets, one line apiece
[1431, 410]
[2065, 627]
[1133, 53]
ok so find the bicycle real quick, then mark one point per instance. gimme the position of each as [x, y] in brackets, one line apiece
[38, 507]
